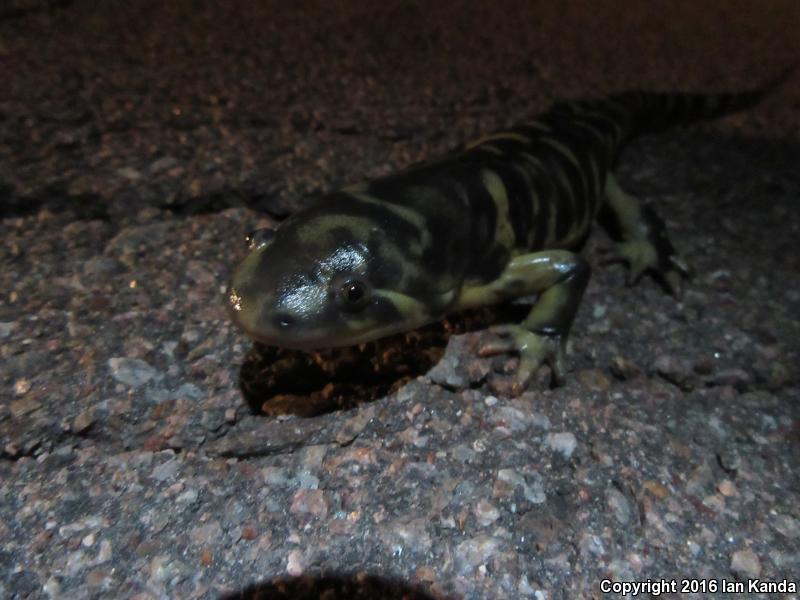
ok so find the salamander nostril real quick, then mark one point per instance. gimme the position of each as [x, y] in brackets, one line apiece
[284, 320]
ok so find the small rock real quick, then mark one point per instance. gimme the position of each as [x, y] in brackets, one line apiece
[486, 513]
[22, 387]
[129, 173]
[513, 418]
[162, 568]
[542, 528]
[311, 502]
[674, 369]
[11, 449]
[463, 453]
[715, 502]
[98, 578]
[188, 390]
[52, 588]
[447, 372]
[206, 534]
[307, 480]
[474, 552]
[622, 368]
[591, 545]
[165, 471]
[619, 505]
[729, 460]
[508, 480]
[162, 164]
[425, 573]
[132, 371]
[7, 328]
[594, 380]
[477, 370]
[206, 557]
[212, 420]
[563, 442]
[727, 488]
[459, 367]
[102, 265]
[91, 522]
[655, 489]
[82, 422]
[745, 564]
[738, 378]
[408, 534]
[24, 406]
[189, 496]
[294, 563]
[787, 526]
[105, 552]
[76, 562]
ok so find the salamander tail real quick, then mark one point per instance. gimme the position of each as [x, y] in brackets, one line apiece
[653, 112]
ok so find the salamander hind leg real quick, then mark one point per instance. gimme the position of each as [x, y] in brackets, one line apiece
[642, 239]
[560, 278]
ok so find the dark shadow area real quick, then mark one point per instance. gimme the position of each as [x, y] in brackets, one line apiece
[253, 195]
[277, 381]
[333, 587]
[15, 9]
[55, 199]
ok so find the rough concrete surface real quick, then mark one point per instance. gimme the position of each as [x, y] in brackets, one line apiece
[149, 452]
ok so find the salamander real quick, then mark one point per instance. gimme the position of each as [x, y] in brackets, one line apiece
[497, 219]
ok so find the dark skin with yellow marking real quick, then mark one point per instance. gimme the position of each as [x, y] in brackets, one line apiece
[497, 220]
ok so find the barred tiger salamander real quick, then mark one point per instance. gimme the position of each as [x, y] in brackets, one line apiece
[495, 220]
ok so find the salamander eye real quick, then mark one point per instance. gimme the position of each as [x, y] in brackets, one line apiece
[259, 237]
[351, 292]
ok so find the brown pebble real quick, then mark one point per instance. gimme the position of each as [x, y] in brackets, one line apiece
[622, 368]
[25, 405]
[11, 449]
[486, 513]
[22, 387]
[425, 573]
[97, 578]
[727, 488]
[656, 489]
[309, 502]
[206, 557]
[594, 379]
[83, 422]
[155, 443]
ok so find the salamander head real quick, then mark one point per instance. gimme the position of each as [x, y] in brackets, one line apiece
[323, 280]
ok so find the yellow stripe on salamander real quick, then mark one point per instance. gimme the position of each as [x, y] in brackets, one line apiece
[504, 232]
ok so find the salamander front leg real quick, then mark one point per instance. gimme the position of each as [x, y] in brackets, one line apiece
[642, 240]
[560, 278]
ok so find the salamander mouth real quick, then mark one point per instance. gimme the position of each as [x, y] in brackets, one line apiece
[311, 340]
[307, 338]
